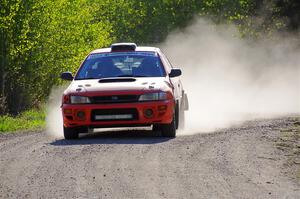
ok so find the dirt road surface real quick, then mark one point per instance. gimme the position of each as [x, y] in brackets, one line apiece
[240, 162]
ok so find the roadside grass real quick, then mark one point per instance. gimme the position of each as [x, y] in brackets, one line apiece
[30, 120]
[289, 142]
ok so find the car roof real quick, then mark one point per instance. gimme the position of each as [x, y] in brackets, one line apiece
[138, 49]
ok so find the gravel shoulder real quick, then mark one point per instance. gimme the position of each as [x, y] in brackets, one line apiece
[240, 162]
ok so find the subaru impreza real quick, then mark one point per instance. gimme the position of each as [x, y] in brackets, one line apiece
[124, 85]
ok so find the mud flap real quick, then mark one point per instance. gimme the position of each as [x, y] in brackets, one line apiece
[185, 102]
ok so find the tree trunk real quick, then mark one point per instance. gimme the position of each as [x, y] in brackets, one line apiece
[3, 55]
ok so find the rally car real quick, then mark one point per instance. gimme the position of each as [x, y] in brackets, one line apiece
[124, 86]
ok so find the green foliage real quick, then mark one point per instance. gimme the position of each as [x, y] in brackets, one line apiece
[41, 39]
[29, 120]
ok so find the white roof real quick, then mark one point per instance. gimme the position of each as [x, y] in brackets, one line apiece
[138, 49]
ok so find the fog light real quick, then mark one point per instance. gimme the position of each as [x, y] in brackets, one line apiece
[80, 115]
[148, 113]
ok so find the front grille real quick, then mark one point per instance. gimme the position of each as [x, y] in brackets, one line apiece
[114, 99]
[108, 114]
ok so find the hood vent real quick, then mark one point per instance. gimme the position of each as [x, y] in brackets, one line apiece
[112, 80]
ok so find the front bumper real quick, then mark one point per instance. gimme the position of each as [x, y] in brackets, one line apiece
[162, 114]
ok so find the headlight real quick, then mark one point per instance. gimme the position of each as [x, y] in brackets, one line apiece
[153, 96]
[80, 100]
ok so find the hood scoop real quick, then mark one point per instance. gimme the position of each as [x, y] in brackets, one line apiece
[117, 79]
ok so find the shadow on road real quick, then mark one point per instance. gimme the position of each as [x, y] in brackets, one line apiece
[115, 137]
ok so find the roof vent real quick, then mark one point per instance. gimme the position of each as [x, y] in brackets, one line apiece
[123, 47]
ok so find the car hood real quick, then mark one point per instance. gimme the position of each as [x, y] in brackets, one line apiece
[133, 84]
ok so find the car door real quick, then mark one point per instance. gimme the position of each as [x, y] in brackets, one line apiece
[175, 81]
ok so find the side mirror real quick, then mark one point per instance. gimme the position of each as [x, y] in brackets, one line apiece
[175, 72]
[67, 76]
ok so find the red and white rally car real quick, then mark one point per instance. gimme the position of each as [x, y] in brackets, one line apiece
[124, 86]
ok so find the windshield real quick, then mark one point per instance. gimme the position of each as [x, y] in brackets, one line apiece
[123, 64]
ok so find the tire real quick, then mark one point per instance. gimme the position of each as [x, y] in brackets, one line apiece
[169, 130]
[71, 133]
[156, 127]
[180, 116]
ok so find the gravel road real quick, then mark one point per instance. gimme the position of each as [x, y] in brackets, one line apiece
[238, 162]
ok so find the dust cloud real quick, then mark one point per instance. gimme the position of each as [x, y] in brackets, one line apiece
[54, 120]
[230, 80]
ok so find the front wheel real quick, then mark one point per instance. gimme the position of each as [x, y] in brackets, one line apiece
[169, 130]
[71, 133]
